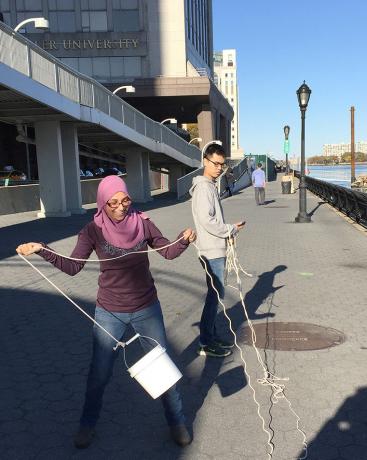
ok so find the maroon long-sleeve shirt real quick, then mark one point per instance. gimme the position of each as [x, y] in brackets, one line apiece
[125, 284]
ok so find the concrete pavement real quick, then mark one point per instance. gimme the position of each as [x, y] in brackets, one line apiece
[312, 273]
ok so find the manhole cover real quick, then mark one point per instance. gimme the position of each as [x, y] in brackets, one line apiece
[292, 336]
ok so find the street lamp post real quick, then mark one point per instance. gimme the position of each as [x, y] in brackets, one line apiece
[39, 23]
[205, 147]
[128, 89]
[170, 120]
[199, 139]
[286, 147]
[303, 94]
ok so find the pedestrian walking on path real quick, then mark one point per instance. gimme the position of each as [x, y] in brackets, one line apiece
[258, 181]
[212, 233]
[126, 295]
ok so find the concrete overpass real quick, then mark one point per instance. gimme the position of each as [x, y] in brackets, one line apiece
[66, 108]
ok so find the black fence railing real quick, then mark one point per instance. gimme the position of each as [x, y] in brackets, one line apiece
[346, 200]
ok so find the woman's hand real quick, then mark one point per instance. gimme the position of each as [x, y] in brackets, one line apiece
[27, 249]
[189, 235]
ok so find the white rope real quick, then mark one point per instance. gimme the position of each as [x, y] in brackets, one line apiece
[118, 342]
[113, 258]
[269, 379]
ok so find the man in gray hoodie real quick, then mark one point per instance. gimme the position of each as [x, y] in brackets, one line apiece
[212, 235]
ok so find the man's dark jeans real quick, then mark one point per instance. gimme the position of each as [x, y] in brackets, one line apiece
[147, 322]
[207, 323]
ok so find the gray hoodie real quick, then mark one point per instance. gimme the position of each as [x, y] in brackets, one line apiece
[208, 217]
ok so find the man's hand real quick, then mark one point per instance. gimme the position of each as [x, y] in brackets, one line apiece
[189, 235]
[240, 225]
[27, 249]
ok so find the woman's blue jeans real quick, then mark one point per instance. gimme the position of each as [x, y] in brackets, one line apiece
[148, 322]
[207, 323]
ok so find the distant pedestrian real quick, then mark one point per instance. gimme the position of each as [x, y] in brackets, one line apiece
[213, 234]
[258, 181]
[229, 177]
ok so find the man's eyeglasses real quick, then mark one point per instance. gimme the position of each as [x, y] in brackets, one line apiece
[114, 204]
[217, 164]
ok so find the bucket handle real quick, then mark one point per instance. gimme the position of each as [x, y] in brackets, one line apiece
[132, 340]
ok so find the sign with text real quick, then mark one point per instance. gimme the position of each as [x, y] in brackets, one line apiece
[122, 43]
[286, 146]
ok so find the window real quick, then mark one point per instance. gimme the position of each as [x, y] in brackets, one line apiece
[126, 21]
[63, 21]
[101, 68]
[94, 21]
[125, 4]
[132, 66]
[85, 66]
[117, 68]
[4, 5]
[94, 5]
[61, 5]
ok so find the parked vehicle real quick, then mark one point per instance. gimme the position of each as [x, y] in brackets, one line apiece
[13, 175]
[114, 172]
[98, 172]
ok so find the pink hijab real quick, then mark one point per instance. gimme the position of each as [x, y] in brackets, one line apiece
[126, 233]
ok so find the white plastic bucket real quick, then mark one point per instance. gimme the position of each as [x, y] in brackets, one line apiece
[155, 372]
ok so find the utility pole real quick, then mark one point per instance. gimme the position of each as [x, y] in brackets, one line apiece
[352, 152]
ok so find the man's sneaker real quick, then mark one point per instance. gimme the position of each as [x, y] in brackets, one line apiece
[213, 350]
[180, 435]
[223, 344]
[84, 437]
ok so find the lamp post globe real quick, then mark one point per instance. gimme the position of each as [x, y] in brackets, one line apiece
[303, 95]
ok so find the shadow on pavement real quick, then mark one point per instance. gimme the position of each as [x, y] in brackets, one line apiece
[312, 212]
[261, 291]
[196, 389]
[345, 435]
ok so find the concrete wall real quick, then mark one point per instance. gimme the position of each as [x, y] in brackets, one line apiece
[25, 198]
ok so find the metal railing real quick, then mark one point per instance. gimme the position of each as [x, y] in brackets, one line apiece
[240, 168]
[348, 201]
[21, 54]
[184, 183]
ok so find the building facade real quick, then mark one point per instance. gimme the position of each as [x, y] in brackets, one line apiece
[225, 77]
[339, 149]
[164, 48]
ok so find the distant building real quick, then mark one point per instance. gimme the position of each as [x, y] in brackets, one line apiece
[161, 47]
[338, 149]
[225, 77]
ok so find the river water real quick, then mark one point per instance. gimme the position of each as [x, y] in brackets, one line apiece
[337, 174]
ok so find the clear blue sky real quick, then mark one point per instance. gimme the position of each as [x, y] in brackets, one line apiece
[279, 44]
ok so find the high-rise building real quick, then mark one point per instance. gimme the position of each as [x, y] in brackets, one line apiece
[339, 149]
[225, 77]
[161, 47]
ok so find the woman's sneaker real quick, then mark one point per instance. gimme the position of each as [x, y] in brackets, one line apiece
[180, 435]
[213, 350]
[84, 437]
[223, 344]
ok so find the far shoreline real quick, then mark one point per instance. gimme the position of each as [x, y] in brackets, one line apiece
[338, 164]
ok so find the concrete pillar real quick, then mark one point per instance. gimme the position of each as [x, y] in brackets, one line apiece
[137, 178]
[206, 125]
[50, 169]
[70, 153]
[175, 172]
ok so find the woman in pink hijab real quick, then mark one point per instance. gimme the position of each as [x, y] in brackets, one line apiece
[126, 294]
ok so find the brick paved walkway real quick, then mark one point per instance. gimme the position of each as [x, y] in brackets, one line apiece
[311, 273]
